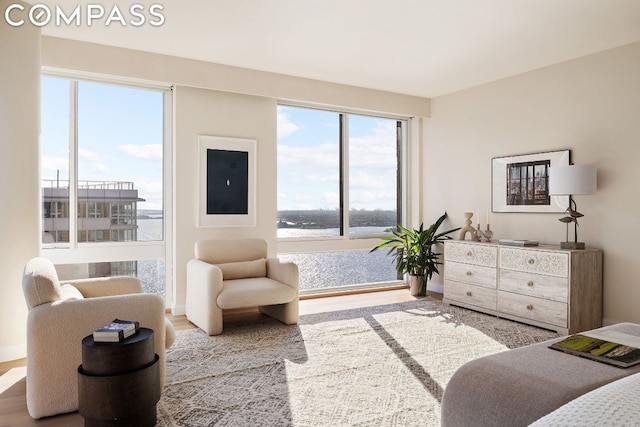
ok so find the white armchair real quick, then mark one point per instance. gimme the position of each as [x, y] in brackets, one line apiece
[60, 316]
[236, 273]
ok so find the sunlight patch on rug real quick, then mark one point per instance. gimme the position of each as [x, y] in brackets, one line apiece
[384, 366]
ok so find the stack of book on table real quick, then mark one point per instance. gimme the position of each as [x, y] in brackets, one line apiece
[116, 331]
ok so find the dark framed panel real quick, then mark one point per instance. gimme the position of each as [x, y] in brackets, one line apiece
[227, 181]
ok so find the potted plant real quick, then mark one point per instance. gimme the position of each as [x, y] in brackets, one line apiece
[414, 252]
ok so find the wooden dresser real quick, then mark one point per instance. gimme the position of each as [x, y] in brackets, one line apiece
[544, 286]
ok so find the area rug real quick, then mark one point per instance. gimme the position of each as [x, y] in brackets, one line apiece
[377, 366]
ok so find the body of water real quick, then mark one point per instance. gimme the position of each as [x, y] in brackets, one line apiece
[151, 272]
[316, 270]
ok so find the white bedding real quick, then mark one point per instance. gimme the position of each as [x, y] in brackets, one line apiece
[614, 404]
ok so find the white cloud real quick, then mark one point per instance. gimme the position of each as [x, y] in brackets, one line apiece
[376, 150]
[331, 199]
[303, 197]
[285, 126]
[149, 190]
[321, 156]
[91, 162]
[318, 179]
[370, 180]
[148, 151]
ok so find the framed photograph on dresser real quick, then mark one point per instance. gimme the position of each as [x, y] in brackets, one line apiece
[521, 183]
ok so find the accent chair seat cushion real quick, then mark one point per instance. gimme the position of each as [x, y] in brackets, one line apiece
[243, 269]
[253, 292]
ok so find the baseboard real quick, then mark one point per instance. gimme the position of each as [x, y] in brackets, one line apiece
[15, 352]
[177, 310]
[435, 287]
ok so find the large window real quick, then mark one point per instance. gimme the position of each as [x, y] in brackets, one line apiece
[103, 173]
[339, 177]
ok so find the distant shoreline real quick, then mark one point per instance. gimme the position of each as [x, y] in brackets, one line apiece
[320, 219]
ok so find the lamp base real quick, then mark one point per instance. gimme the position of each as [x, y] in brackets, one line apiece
[572, 245]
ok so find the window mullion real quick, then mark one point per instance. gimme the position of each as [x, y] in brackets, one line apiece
[73, 164]
[400, 173]
[344, 175]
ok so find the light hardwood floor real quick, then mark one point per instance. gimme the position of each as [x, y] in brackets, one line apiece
[13, 406]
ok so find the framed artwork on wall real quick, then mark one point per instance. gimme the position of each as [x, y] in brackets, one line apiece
[227, 181]
[521, 183]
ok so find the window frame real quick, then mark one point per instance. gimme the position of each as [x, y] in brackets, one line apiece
[77, 252]
[347, 241]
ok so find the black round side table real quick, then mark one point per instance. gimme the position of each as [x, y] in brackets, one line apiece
[119, 382]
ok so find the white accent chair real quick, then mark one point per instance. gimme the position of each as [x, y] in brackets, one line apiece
[60, 316]
[236, 273]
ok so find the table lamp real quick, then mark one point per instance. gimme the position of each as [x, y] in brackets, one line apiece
[569, 181]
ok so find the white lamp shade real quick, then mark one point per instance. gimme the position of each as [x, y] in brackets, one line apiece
[571, 180]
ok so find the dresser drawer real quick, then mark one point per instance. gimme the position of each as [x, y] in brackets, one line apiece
[471, 254]
[469, 273]
[535, 285]
[540, 310]
[535, 261]
[470, 294]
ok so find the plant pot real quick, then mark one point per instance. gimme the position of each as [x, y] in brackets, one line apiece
[418, 285]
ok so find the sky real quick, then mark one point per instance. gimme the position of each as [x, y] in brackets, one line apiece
[120, 139]
[119, 135]
[308, 160]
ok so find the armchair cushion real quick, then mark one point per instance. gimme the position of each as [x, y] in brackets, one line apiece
[233, 250]
[242, 293]
[106, 286]
[244, 269]
[70, 292]
[40, 282]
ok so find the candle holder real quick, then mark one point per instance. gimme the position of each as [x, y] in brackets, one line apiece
[488, 234]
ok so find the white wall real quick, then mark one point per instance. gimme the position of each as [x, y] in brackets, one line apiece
[19, 184]
[207, 112]
[590, 105]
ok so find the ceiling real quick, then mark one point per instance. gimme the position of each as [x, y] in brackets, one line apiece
[418, 47]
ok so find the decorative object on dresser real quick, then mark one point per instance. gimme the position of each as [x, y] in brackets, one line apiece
[520, 183]
[570, 181]
[545, 286]
[487, 234]
[468, 228]
[414, 254]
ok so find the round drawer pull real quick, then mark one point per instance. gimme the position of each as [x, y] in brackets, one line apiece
[531, 261]
[468, 293]
[530, 283]
[529, 307]
[468, 273]
[469, 254]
